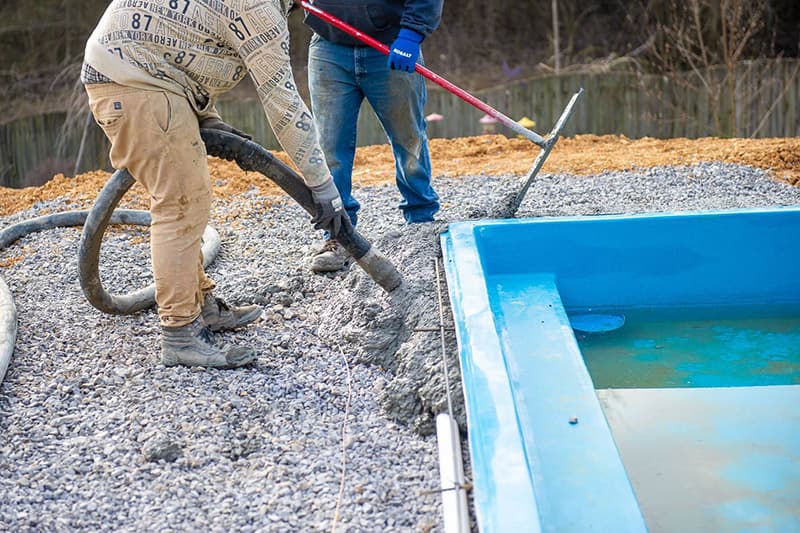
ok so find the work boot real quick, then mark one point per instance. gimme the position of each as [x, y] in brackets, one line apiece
[330, 258]
[219, 316]
[191, 345]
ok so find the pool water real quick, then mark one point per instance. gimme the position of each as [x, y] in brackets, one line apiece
[701, 403]
[698, 401]
[710, 458]
[719, 347]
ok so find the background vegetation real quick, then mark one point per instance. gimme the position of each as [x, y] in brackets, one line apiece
[659, 68]
[480, 42]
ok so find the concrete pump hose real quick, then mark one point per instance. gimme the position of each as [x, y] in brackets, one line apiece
[251, 156]
[102, 213]
[248, 155]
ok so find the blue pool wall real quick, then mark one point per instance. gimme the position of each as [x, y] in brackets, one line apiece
[511, 283]
[670, 259]
[532, 469]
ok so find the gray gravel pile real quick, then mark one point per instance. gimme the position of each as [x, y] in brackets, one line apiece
[96, 435]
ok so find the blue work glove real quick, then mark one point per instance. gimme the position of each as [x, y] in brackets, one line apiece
[328, 210]
[404, 51]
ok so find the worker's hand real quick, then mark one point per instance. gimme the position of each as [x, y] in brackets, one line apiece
[213, 123]
[329, 213]
[404, 51]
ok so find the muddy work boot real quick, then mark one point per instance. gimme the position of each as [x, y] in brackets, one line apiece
[220, 316]
[191, 345]
[330, 258]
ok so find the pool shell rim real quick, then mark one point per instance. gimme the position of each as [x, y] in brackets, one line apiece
[467, 283]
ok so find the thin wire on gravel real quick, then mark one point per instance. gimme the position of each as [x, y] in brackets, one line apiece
[97, 435]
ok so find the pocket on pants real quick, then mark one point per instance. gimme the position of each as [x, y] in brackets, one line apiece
[109, 115]
[161, 110]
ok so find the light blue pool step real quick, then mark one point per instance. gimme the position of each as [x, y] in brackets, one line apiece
[543, 455]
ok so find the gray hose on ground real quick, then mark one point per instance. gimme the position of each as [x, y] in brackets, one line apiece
[68, 218]
[101, 214]
[9, 235]
[251, 156]
[8, 327]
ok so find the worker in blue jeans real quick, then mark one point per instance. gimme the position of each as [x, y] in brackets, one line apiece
[342, 71]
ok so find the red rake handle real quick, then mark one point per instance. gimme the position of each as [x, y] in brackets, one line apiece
[427, 73]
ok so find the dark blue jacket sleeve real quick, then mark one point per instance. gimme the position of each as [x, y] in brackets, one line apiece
[422, 16]
[380, 19]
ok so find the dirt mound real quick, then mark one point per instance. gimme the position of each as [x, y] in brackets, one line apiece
[486, 154]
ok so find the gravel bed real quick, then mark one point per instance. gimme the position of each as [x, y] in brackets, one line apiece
[337, 413]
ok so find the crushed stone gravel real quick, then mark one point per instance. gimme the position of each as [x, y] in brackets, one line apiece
[97, 435]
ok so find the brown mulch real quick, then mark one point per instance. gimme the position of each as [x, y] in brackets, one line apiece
[486, 154]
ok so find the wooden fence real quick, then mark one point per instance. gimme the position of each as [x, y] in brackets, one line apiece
[761, 99]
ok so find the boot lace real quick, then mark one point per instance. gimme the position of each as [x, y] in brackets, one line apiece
[330, 246]
[206, 335]
[221, 304]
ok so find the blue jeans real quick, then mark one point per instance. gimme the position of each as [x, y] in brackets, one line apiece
[339, 78]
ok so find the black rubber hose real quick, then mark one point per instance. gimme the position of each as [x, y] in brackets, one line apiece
[248, 155]
[102, 213]
[251, 156]
[69, 218]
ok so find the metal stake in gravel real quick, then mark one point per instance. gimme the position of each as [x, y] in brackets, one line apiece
[451, 466]
[509, 207]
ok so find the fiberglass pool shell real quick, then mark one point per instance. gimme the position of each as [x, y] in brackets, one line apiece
[546, 453]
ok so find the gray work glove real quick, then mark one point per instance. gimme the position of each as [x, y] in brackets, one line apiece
[213, 123]
[329, 212]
